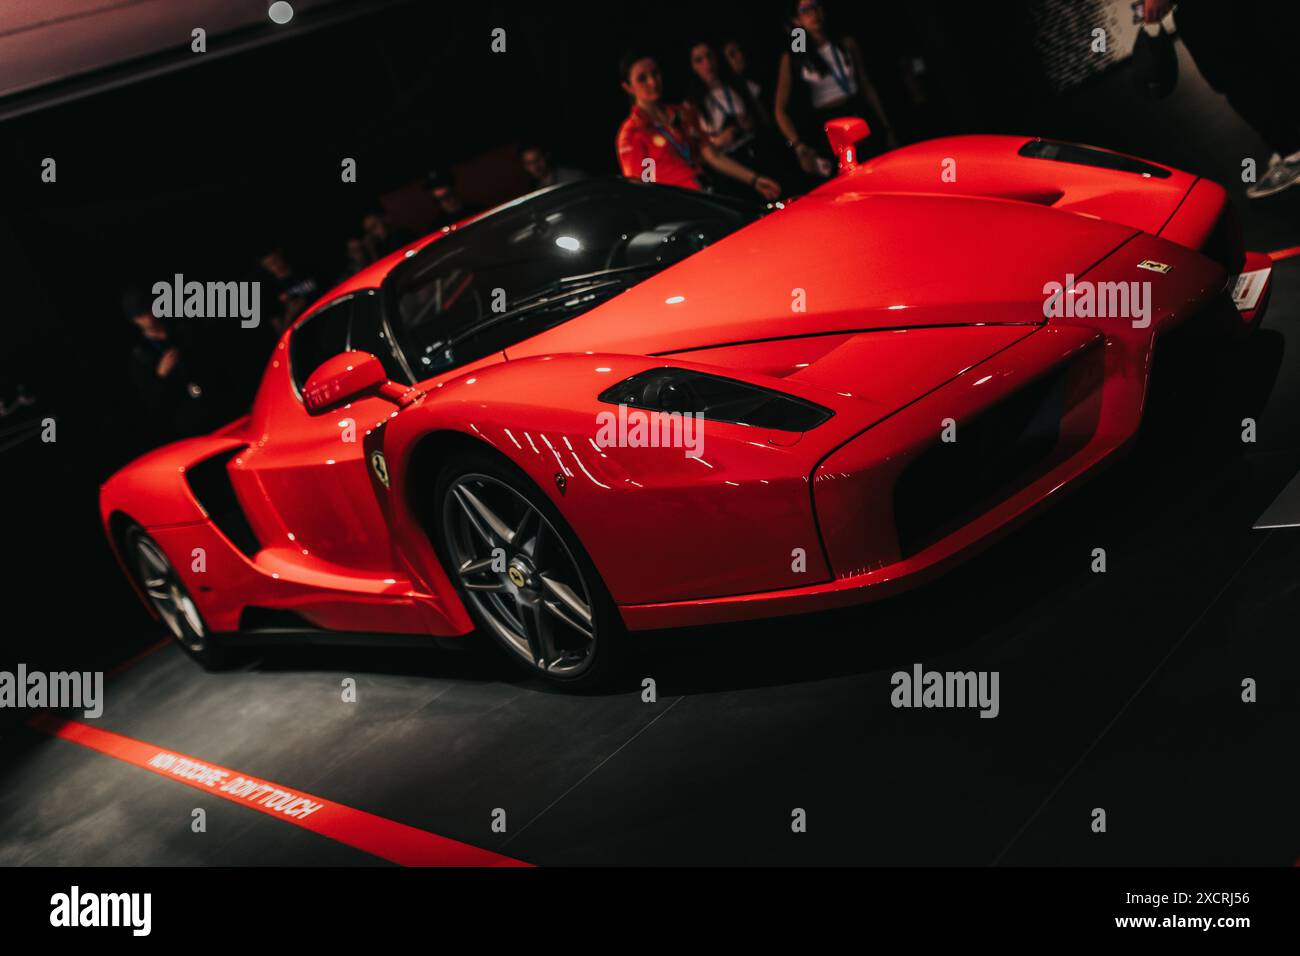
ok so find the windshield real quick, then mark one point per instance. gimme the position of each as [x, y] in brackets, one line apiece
[550, 257]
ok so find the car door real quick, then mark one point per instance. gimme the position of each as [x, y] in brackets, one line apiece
[312, 470]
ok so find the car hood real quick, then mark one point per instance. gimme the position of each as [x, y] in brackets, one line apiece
[883, 370]
[841, 260]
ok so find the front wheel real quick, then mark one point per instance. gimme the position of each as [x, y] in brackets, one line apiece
[166, 593]
[524, 576]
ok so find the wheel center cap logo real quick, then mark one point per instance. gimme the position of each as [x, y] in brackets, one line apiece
[517, 577]
[380, 467]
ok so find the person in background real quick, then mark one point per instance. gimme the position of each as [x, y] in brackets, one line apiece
[1243, 52]
[828, 80]
[670, 136]
[358, 258]
[537, 164]
[164, 374]
[726, 106]
[733, 51]
[380, 238]
[293, 292]
[451, 208]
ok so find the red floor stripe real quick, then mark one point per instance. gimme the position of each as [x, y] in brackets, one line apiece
[1285, 253]
[387, 839]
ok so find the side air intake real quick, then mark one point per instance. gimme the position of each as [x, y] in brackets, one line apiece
[210, 484]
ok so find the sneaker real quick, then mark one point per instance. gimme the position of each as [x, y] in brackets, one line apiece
[1281, 174]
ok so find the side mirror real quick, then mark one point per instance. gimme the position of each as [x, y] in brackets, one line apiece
[845, 133]
[347, 377]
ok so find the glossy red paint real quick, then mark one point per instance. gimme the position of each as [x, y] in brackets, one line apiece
[894, 296]
[844, 135]
[892, 261]
[350, 376]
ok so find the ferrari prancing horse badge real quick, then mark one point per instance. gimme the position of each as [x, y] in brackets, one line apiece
[379, 467]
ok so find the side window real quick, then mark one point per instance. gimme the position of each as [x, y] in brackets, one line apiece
[370, 335]
[353, 322]
[321, 336]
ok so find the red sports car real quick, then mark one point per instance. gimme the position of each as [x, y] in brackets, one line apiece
[613, 406]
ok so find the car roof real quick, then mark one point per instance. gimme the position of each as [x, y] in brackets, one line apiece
[373, 275]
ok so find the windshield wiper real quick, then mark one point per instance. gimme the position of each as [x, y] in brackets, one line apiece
[568, 282]
[559, 292]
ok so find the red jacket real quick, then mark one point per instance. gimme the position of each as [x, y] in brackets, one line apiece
[674, 147]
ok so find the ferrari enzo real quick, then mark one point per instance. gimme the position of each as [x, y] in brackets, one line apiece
[879, 380]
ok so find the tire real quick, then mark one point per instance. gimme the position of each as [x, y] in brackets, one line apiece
[164, 591]
[537, 596]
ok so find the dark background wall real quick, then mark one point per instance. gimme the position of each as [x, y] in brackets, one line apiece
[202, 170]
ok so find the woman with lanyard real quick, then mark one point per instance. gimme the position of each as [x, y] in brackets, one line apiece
[725, 104]
[832, 81]
[733, 51]
[661, 142]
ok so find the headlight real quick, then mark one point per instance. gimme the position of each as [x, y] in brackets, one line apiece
[716, 398]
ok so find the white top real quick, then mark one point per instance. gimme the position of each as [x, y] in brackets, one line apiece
[723, 105]
[839, 81]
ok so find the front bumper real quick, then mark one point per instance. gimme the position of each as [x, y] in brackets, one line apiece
[858, 488]
[895, 508]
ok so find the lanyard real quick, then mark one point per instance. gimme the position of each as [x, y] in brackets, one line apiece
[683, 149]
[839, 70]
[729, 108]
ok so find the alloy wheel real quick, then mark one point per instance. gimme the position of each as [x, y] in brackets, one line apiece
[520, 574]
[168, 596]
